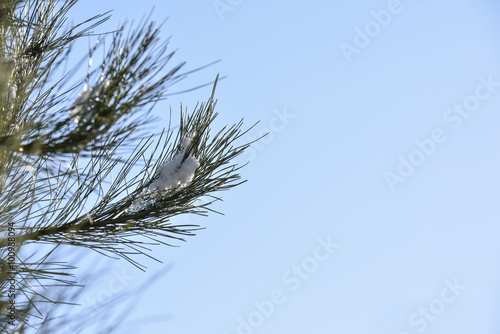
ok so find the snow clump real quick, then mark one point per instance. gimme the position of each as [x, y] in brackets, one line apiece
[172, 174]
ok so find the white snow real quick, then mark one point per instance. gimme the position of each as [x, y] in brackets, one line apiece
[77, 110]
[175, 173]
[185, 143]
[172, 174]
[12, 92]
[29, 168]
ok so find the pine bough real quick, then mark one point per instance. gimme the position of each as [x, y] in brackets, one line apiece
[76, 166]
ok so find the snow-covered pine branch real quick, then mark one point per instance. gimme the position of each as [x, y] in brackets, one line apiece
[70, 173]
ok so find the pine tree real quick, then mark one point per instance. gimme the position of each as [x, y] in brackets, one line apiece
[78, 165]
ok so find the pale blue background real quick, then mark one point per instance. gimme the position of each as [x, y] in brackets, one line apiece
[323, 173]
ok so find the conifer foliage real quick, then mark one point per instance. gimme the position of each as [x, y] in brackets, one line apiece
[79, 166]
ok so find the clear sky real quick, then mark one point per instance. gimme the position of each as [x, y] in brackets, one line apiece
[372, 207]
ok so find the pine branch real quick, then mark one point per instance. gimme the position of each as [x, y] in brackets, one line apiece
[64, 181]
[111, 223]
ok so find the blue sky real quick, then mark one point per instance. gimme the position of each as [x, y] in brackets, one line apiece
[318, 241]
